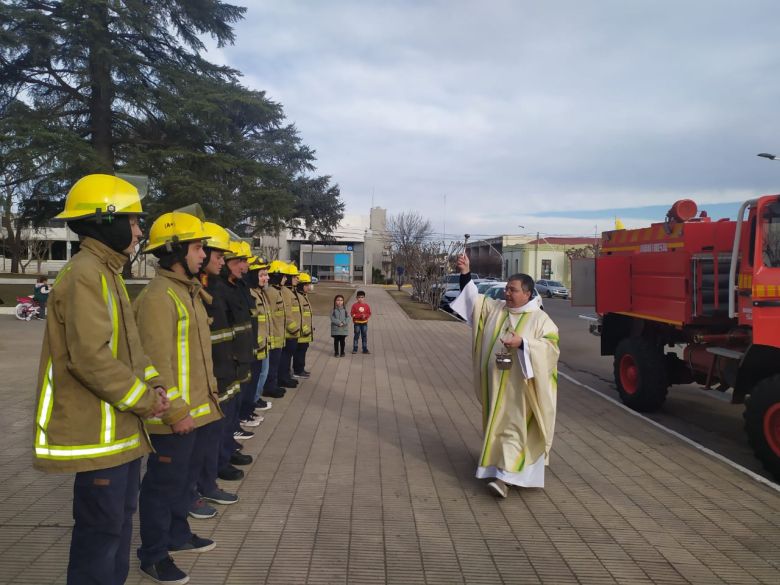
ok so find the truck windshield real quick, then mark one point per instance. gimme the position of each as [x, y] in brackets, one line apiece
[770, 228]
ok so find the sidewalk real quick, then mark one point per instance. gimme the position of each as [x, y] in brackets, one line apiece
[364, 475]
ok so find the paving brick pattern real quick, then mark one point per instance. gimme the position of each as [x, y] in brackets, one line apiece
[364, 474]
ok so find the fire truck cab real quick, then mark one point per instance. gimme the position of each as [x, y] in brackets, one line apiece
[692, 299]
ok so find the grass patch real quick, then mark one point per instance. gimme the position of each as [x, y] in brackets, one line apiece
[418, 311]
[321, 298]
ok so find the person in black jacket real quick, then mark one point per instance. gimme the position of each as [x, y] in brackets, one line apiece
[225, 372]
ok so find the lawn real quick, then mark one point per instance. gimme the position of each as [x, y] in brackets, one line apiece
[418, 311]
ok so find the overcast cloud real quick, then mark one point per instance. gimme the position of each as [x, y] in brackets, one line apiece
[515, 109]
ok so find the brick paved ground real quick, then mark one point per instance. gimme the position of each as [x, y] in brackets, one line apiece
[365, 475]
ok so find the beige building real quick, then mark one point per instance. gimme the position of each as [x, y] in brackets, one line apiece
[544, 258]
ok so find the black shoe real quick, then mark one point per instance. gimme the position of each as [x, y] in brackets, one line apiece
[354, 351]
[277, 393]
[366, 351]
[230, 473]
[242, 435]
[263, 405]
[165, 571]
[240, 459]
[288, 383]
[303, 374]
[342, 354]
[336, 354]
[196, 544]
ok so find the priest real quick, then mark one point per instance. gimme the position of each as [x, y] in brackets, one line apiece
[515, 356]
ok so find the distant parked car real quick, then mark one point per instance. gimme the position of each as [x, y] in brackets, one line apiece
[497, 292]
[552, 288]
[314, 280]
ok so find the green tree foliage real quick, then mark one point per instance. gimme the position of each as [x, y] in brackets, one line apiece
[121, 85]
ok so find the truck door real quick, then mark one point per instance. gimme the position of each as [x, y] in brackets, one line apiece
[766, 274]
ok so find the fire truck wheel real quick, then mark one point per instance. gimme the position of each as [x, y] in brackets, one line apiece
[640, 374]
[762, 422]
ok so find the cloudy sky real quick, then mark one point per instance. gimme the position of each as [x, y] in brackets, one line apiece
[552, 115]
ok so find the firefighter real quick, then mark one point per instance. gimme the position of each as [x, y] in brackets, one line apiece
[237, 300]
[259, 281]
[246, 414]
[306, 333]
[292, 325]
[207, 491]
[95, 382]
[174, 331]
[273, 292]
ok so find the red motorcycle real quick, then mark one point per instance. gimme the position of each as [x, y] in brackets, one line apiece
[27, 308]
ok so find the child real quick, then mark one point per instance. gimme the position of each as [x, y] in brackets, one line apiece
[41, 295]
[360, 313]
[338, 325]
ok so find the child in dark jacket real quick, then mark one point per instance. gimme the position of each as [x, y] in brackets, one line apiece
[339, 328]
[41, 295]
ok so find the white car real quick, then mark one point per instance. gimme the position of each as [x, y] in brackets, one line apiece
[497, 292]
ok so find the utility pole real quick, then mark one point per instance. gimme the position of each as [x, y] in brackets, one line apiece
[536, 258]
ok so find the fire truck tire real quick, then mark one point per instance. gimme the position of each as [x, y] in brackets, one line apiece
[640, 374]
[762, 422]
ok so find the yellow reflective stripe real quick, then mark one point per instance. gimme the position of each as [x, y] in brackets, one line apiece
[150, 373]
[173, 393]
[107, 420]
[202, 410]
[62, 273]
[124, 287]
[133, 396]
[87, 451]
[108, 297]
[45, 403]
[183, 353]
[230, 391]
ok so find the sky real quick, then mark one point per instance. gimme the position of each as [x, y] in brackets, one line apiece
[512, 116]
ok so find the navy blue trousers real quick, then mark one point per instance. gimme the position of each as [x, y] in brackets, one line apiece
[203, 465]
[299, 359]
[104, 502]
[272, 382]
[165, 500]
[248, 392]
[286, 360]
[228, 425]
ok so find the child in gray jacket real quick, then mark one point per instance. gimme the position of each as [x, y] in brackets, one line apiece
[339, 325]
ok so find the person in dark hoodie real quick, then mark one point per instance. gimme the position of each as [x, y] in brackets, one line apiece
[41, 296]
[273, 291]
[207, 491]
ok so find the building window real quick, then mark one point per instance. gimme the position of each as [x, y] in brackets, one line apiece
[506, 268]
[546, 269]
[59, 250]
[517, 265]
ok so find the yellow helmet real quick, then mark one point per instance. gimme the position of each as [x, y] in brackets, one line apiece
[258, 263]
[290, 269]
[219, 239]
[276, 266]
[236, 251]
[97, 194]
[304, 278]
[175, 227]
[246, 249]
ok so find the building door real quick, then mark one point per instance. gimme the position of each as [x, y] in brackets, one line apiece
[341, 264]
[546, 269]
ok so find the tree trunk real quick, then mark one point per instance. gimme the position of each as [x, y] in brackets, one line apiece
[101, 86]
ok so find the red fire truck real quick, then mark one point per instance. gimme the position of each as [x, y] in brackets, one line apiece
[710, 288]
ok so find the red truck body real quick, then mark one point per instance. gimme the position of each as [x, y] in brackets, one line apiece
[710, 291]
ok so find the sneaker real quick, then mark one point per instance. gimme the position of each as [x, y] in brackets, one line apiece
[342, 354]
[499, 488]
[252, 422]
[303, 374]
[196, 544]
[201, 510]
[288, 383]
[366, 351]
[219, 496]
[165, 571]
[278, 393]
[336, 354]
[263, 404]
[354, 351]
[230, 473]
[242, 435]
[240, 459]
